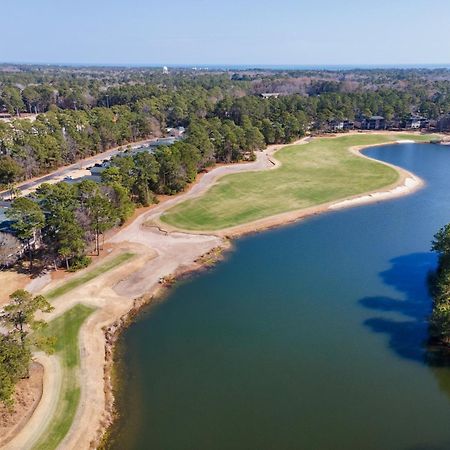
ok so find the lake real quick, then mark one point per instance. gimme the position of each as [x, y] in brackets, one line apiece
[310, 336]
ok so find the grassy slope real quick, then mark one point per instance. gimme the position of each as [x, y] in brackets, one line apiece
[88, 276]
[319, 172]
[65, 328]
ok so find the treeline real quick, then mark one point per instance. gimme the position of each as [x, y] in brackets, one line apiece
[66, 221]
[89, 110]
[37, 89]
[234, 124]
[41, 92]
[440, 290]
[62, 137]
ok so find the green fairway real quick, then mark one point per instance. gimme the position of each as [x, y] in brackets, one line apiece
[89, 275]
[311, 174]
[65, 328]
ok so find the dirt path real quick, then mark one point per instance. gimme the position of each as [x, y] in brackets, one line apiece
[159, 254]
[9, 282]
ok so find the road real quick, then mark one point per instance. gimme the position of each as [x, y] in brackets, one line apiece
[78, 169]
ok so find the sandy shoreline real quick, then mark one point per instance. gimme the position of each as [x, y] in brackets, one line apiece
[118, 294]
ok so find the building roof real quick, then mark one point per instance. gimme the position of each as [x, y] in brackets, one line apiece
[270, 94]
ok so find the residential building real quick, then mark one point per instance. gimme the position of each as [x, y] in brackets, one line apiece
[176, 132]
[374, 123]
[443, 124]
[416, 122]
[341, 125]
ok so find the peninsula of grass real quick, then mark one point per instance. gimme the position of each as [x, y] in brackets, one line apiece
[89, 275]
[321, 171]
[65, 330]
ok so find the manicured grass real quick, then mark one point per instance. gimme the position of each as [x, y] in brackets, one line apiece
[89, 275]
[311, 174]
[65, 328]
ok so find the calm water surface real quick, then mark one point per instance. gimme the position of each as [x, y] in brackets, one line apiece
[306, 337]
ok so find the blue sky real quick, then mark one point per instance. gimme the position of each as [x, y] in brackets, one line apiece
[226, 32]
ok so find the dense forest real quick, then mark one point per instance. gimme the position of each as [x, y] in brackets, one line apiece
[83, 111]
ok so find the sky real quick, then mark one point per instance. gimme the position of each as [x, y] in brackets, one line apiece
[226, 32]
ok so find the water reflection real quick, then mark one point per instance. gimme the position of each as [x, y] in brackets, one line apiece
[408, 338]
[407, 333]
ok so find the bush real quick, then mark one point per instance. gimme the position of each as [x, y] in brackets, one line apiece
[78, 263]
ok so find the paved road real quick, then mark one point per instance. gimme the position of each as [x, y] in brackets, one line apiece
[66, 170]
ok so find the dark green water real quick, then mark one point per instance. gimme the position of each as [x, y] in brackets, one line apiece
[306, 337]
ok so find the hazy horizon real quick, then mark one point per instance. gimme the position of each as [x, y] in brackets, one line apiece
[217, 66]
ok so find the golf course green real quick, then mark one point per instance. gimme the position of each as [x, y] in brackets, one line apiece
[310, 174]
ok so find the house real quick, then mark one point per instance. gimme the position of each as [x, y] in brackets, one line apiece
[416, 122]
[267, 95]
[374, 123]
[443, 124]
[394, 124]
[9, 255]
[341, 125]
[176, 132]
[337, 125]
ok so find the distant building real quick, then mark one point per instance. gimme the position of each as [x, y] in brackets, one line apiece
[394, 124]
[176, 132]
[267, 95]
[443, 124]
[6, 228]
[341, 125]
[374, 123]
[165, 70]
[416, 122]
[337, 125]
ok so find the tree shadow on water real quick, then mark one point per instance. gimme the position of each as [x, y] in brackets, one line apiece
[408, 331]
